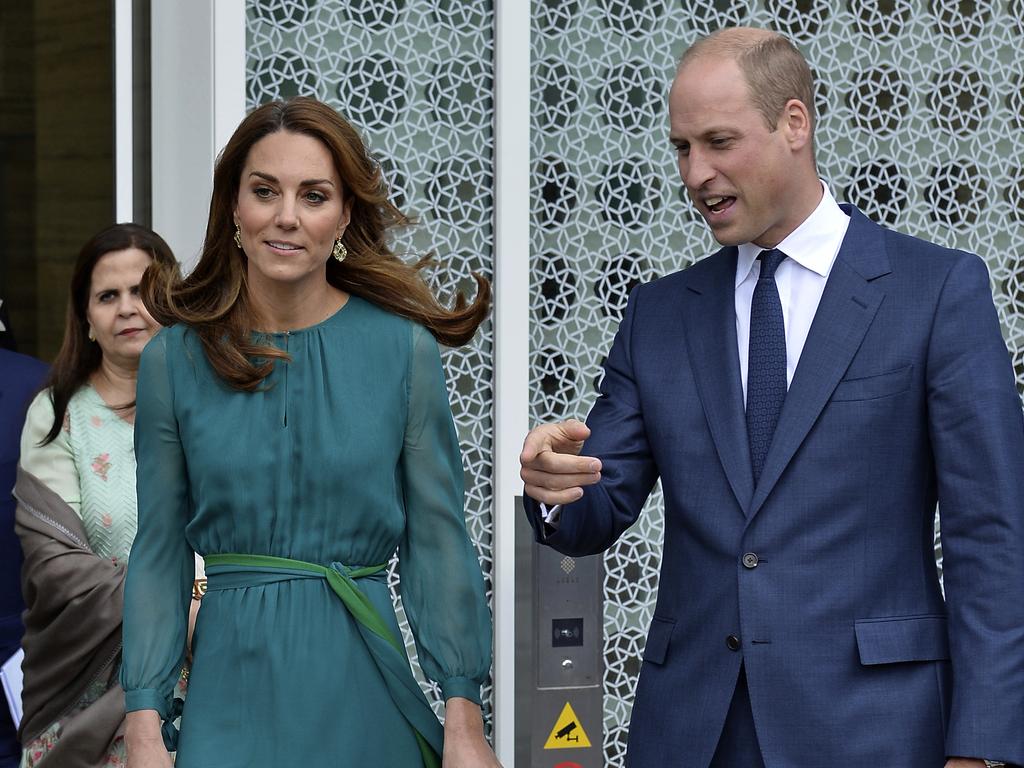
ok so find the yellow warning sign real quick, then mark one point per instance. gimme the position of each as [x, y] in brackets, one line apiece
[568, 732]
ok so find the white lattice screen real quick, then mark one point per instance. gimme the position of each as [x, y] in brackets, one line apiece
[921, 108]
[416, 79]
[921, 124]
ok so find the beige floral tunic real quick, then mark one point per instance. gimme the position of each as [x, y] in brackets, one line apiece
[91, 466]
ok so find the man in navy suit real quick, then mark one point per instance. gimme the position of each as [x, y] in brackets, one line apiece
[20, 378]
[806, 395]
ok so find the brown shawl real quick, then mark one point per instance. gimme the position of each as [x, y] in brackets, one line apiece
[74, 602]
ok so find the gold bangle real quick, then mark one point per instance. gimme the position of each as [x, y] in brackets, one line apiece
[198, 589]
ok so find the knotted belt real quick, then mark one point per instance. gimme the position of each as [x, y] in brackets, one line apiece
[385, 649]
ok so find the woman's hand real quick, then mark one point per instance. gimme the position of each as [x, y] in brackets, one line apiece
[143, 741]
[464, 742]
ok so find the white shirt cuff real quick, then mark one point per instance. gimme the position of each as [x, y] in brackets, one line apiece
[551, 514]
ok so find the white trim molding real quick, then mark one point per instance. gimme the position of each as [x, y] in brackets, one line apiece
[124, 111]
[198, 97]
[511, 337]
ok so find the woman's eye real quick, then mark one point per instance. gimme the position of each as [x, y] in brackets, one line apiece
[316, 197]
[107, 296]
[263, 192]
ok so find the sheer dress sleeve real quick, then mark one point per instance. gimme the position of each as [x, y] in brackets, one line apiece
[161, 567]
[441, 583]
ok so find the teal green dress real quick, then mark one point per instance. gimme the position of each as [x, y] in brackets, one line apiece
[348, 452]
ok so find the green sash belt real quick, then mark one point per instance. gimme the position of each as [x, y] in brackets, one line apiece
[387, 651]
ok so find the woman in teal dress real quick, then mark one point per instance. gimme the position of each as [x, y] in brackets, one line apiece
[294, 429]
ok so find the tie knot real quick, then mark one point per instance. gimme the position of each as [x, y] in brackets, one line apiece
[770, 261]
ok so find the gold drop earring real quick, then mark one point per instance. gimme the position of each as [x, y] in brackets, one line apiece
[339, 251]
[238, 237]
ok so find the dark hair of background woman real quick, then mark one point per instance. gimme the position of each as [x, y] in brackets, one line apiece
[78, 356]
[214, 299]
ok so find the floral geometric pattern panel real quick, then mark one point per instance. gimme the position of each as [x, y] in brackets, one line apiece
[416, 79]
[920, 124]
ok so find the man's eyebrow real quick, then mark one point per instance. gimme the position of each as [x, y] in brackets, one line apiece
[304, 183]
[705, 134]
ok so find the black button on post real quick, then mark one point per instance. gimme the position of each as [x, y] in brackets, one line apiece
[750, 560]
[732, 643]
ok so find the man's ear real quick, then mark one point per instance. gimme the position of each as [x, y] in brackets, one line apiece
[796, 122]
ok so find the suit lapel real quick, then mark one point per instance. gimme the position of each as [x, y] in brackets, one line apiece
[847, 307]
[710, 331]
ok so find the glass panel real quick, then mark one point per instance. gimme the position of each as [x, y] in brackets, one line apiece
[417, 80]
[921, 125]
[141, 115]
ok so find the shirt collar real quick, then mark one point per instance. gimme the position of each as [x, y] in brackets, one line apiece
[813, 245]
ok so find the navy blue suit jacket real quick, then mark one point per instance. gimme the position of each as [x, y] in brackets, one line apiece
[904, 396]
[20, 377]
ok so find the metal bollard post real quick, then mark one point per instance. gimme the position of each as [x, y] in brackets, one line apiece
[559, 655]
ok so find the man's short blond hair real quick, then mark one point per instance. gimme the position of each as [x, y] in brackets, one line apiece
[774, 69]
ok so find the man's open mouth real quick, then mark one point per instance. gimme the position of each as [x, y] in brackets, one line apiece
[718, 204]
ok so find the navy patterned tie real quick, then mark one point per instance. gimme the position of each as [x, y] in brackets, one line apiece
[766, 361]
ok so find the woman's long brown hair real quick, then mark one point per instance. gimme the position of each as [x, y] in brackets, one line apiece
[78, 356]
[214, 301]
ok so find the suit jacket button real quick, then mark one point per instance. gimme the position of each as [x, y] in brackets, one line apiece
[732, 643]
[750, 560]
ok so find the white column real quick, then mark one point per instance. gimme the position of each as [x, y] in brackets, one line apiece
[228, 70]
[198, 97]
[511, 336]
[124, 141]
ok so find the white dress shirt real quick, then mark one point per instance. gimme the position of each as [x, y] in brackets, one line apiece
[812, 248]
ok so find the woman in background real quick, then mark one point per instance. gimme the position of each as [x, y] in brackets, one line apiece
[76, 513]
[294, 429]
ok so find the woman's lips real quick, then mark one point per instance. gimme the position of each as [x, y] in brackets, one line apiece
[283, 247]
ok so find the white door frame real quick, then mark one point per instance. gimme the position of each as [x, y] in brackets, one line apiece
[511, 337]
[124, 110]
[198, 98]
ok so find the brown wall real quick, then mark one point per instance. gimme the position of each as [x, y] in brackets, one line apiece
[74, 163]
[56, 149]
[17, 169]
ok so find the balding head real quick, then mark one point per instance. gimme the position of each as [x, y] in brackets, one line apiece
[740, 121]
[774, 69]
